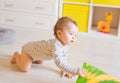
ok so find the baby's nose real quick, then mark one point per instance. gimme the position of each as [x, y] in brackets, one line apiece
[74, 37]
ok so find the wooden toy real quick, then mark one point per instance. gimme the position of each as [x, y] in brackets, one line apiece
[95, 75]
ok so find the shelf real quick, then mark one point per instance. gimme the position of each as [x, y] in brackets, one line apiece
[88, 19]
[107, 2]
[104, 5]
[80, 15]
[83, 1]
[113, 31]
[77, 3]
[98, 14]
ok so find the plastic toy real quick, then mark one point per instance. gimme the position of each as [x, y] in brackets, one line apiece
[104, 26]
[95, 75]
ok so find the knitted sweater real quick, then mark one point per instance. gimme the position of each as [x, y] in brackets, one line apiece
[51, 49]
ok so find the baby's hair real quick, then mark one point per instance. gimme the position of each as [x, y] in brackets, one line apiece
[62, 23]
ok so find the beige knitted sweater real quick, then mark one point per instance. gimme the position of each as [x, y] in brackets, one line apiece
[51, 49]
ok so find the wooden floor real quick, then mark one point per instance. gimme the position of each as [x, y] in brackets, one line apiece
[100, 52]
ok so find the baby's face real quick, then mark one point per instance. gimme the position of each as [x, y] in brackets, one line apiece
[69, 34]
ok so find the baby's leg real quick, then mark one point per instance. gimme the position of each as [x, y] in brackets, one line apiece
[23, 61]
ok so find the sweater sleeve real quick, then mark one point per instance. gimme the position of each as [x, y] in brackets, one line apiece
[61, 62]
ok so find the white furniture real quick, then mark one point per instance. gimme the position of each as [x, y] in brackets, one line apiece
[35, 14]
[96, 12]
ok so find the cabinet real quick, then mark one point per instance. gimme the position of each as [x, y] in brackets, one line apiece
[37, 14]
[80, 14]
[107, 2]
[0, 4]
[77, 11]
[87, 13]
[0, 13]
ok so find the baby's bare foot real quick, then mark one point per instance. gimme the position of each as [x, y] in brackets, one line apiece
[13, 59]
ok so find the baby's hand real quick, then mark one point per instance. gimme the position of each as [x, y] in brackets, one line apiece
[81, 72]
[65, 74]
[68, 75]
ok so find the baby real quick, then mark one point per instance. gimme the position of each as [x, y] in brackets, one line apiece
[65, 32]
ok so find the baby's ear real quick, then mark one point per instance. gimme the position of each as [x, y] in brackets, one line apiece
[58, 32]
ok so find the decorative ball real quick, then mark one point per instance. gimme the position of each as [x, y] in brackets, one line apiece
[7, 35]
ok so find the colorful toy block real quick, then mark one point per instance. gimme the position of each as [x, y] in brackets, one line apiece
[95, 75]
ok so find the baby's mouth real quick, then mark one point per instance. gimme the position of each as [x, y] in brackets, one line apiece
[71, 41]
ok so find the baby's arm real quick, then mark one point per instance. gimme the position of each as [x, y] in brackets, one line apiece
[64, 66]
[60, 61]
[81, 72]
